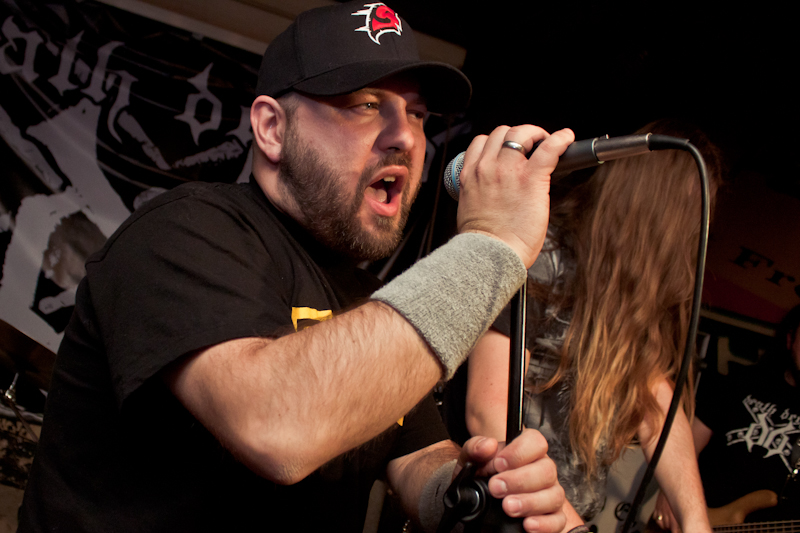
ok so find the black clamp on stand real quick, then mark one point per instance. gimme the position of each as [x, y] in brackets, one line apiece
[468, 500]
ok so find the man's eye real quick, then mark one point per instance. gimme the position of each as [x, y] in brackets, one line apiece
[370, 105]
[418, 113]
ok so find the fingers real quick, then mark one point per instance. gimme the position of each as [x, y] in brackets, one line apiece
[669, 523]
[486, 153]
[663, 515]
[541, 503]
[524, 477]
[549, 148]
[550, 523]
[479, 450]
[505, 194]
[548, 152]
[538, 476]
[528, 447]
[527, 135]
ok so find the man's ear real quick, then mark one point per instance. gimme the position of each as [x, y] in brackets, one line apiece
[268, 120]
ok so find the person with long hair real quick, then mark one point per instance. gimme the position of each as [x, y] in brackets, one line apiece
[609, 304]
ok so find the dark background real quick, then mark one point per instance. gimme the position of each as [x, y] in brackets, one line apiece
[611, 67]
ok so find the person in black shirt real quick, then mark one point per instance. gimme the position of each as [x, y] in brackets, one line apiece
[747, 436]
[228, 366]
[747, 431]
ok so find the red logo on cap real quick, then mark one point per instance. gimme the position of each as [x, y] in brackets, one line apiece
[380, 19]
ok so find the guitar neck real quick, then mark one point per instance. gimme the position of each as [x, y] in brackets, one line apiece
[780, 526]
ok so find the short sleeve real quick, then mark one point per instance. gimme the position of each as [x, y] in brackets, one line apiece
[190, 272]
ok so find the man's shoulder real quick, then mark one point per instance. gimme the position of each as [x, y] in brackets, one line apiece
[195, 213]
[212, 193]
[195, 202]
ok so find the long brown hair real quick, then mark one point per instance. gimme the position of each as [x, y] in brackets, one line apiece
[633, 229]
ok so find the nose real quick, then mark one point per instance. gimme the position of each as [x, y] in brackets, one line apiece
[399, 131]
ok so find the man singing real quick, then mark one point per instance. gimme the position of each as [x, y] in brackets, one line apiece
[229, 368]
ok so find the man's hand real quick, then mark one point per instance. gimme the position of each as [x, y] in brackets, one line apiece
[523, 476]
[506, 195]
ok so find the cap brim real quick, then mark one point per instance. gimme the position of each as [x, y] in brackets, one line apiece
[445, 88]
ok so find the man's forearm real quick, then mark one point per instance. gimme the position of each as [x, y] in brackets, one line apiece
[287, 406]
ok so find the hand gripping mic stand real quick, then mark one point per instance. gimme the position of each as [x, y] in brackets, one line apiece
[468, 500]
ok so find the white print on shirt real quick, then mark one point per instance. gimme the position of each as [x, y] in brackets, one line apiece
[763, 432]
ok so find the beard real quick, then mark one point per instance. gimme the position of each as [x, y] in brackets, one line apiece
[329, 209]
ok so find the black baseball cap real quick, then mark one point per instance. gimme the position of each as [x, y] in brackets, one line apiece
[342, 48]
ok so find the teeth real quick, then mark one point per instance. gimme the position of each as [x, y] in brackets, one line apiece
[389, 179]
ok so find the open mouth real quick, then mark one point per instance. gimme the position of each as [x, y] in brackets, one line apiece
[385, 189]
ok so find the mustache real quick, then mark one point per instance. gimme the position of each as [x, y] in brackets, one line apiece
[396, 158]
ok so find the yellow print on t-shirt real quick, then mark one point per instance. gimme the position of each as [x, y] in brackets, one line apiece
[309, 313]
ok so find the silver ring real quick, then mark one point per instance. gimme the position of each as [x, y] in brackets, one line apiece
[659, 518]
[515, 146]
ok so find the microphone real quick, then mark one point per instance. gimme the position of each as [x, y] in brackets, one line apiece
[580, 154]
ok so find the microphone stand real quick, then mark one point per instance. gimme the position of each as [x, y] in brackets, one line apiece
[468, 500]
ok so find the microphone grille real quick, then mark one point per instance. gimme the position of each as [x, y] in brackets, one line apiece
[451, 176]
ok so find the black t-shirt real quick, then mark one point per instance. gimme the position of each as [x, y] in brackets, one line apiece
[754, 415]
[199, 265]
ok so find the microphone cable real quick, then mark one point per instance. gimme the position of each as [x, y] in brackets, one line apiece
[518, 303]
[664, 142]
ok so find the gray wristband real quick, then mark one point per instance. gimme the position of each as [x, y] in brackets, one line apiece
[453, 295]
[431, 501]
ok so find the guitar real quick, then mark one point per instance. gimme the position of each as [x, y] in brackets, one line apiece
[730, 518]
